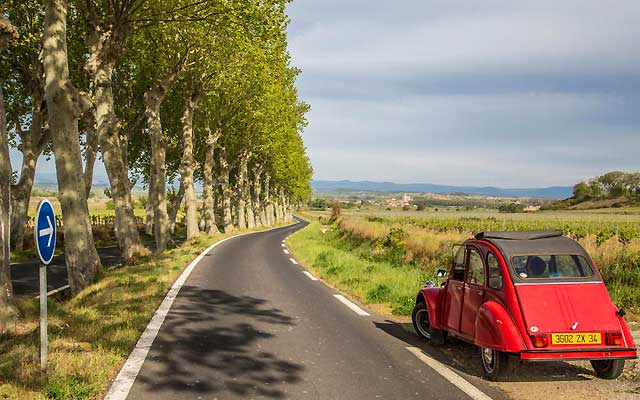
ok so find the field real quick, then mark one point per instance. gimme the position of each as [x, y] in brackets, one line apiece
[382, 257]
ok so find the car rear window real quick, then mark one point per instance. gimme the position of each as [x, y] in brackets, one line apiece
[551, 267]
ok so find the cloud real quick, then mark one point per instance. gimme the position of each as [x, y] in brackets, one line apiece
[457, 92]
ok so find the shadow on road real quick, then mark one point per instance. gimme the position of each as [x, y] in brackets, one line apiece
[211, 342]
[465, 357]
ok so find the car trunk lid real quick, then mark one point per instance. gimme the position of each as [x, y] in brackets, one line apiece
[566, 307]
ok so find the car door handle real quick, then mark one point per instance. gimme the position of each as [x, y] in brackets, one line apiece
[458, 287]
[480, 292]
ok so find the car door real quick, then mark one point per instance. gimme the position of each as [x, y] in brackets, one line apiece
[474, 291]
[455, 291]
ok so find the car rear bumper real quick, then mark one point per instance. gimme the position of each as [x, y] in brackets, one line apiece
[579, 354]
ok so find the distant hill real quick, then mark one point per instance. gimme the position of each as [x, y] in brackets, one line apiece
[554, 192]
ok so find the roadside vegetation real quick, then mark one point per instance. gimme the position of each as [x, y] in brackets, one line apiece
[383, 258]
[91, 334]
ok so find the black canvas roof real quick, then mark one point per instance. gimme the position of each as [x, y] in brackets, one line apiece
[549, 242]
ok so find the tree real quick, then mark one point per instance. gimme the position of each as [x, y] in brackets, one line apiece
[582, 191]
[8, 312]
[25, 105]
[63, 104]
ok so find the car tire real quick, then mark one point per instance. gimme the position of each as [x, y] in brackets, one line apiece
[494, 363]
[422, 325]
[608, 369]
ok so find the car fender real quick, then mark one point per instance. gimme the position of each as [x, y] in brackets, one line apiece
[495, 329]
[432, 297]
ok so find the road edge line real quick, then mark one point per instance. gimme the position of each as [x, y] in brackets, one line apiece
[308, 274]
[121, 385]
[467, 387]
[351, 305]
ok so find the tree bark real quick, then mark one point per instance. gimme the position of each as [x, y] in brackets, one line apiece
[63, 100]
[174, 207]
[241, 191]
[148, 218]
[225, 190]
[153, 99]
[105, 49]
[90, 150]
[8, 311]
[268, 207]
[187, 165]
[258, 211]
[208, 212]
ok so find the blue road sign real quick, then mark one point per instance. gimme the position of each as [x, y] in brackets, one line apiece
[45, 231]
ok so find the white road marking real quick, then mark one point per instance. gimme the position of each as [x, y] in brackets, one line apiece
[121, 386]
[449, 375]
[286, 251]
[351, 305]
[293, 261]
[308, 274]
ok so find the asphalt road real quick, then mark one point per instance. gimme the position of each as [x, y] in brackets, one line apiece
[248, 323]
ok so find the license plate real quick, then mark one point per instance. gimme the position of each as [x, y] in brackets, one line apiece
[576, 338]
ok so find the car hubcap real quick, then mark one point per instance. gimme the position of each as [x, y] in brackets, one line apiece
[422, 319]
[488, 359]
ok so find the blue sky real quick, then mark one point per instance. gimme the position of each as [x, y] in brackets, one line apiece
[484, 92]
[466, 92]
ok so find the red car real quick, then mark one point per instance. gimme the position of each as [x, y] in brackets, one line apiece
[536, 295]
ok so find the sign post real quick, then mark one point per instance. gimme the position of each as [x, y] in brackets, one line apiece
[45, 240]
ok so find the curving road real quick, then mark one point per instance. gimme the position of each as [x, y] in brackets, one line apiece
[249, 324]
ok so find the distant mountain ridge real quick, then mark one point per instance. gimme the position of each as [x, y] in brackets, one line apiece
[553, 192]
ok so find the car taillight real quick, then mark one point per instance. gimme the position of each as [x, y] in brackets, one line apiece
[540, 340]
[613, 338]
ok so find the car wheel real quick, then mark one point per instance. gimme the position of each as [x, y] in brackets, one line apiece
[422, 325]
[608, 369]
[494, 363]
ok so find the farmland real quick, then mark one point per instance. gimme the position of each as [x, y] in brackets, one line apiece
[382, 257]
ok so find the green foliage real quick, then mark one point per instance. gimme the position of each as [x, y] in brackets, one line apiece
[74, 387]
[511, 208]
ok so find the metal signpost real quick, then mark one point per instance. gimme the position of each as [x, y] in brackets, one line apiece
[45, 239]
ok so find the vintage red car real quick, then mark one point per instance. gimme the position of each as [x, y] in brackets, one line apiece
[536, 295]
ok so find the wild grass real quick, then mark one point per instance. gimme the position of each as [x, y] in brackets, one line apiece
[92, 334]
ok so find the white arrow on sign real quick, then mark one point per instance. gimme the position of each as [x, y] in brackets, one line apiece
[47, 231]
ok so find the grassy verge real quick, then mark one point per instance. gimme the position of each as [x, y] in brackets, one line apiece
[91, 335]
[354, 268]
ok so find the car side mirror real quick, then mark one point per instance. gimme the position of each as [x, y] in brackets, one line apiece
[441, 273]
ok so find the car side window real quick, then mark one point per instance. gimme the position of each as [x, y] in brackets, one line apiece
[458, 264]
[495, 274]
[475, 274]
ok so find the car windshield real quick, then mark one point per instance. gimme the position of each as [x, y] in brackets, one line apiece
[551, 267]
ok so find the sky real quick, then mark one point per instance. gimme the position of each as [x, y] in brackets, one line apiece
[465, 92]
[469, 92]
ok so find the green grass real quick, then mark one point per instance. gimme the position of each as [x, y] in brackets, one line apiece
[355, 269]
[91, 335]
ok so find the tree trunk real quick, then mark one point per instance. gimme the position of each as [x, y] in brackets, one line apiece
[32, 143]
[241, 191]
[62, 100]
[90, 151]
[158, 175]
[104, 49]
[148, 218]
[174, 207]
[187, 166]
[208, 212]
[225, 191]
[268, 209]
[258, 212]
[8, 311]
